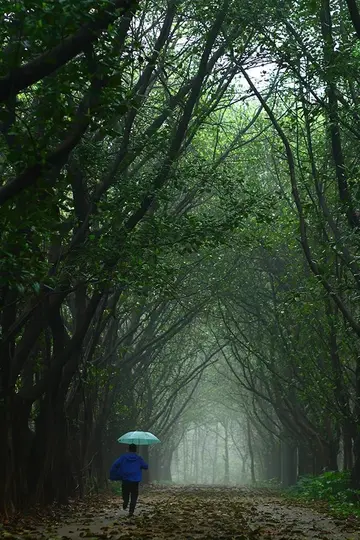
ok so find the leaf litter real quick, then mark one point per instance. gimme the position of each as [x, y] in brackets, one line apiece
[187, 513]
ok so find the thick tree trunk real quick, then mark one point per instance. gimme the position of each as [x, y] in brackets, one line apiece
[166, 466]
[355, 473]
[273, 461]
[16, 447]
[51, 475]
[333, 452]
[347, 446]
[288, 464]
[155, 466]
[147, 475]
[6, 465]
[305, 460]
[22, 438]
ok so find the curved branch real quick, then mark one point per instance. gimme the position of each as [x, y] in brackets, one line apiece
[47, 63]
[302, 222]
[60, 155]
[354, 15]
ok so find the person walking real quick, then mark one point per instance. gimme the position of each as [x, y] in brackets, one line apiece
[128, 468]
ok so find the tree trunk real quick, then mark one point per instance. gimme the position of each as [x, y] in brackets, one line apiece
[347, 447]
[288, 464]
[203, 474]
[333, 451]
[166, 466]
[214, 471]
[273, 464]
[251, 452]
[192, 459]
[51, 471]
[155, 465]
[147, 475]
[196, 457]
[176, 464]
[226, 456]
[355, 473]
[305, 460]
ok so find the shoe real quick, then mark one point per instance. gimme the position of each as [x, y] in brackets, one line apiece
[124, 506]
[131, 514]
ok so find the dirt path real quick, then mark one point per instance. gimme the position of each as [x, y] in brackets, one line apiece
[192, 513]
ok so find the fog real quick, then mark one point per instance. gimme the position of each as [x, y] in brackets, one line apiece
[207, 455]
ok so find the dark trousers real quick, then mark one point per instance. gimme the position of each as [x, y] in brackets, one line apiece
[130, 490]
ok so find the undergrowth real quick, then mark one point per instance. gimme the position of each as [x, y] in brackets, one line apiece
[333, 488]
[115, 488]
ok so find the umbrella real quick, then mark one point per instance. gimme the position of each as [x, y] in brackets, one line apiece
[144, 438]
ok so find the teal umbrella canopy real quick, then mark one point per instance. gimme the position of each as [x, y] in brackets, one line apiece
[141, 438]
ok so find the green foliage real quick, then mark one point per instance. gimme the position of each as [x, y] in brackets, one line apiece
[331, 487]
[181, 222]
[115, 488]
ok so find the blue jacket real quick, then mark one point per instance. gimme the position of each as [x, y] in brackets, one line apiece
[128, 467]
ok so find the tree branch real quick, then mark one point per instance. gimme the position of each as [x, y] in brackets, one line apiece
[69, 48]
